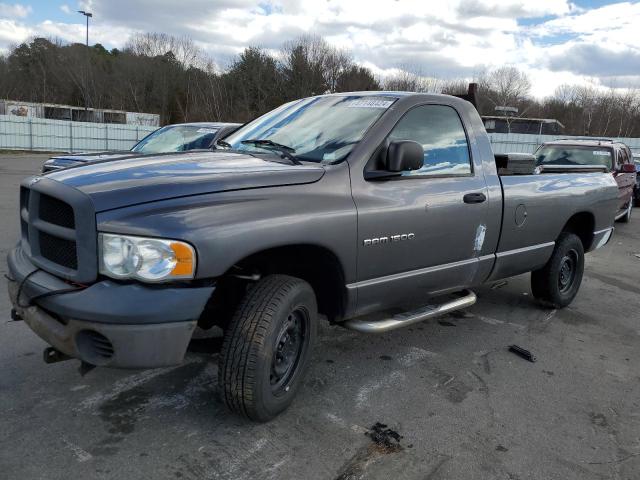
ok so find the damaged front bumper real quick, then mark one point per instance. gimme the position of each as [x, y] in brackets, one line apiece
[125, 325]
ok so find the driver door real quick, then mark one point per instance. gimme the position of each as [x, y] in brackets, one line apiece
[421, 233]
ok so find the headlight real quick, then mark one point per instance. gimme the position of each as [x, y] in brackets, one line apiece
[147, 259]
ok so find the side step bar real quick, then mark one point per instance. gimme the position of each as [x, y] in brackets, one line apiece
[400, 320]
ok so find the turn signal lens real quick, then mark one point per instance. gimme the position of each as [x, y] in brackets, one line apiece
[185, 260]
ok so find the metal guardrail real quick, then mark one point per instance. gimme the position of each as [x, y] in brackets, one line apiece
[39, 134]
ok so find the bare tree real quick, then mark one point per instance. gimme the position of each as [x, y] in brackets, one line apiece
[304, 62]
[565, 94]
[505, 86]
[172, 77]
[455, 87]
[336, 63]
[160, 44]
[255, 83]
[409, 81]
[356, 78]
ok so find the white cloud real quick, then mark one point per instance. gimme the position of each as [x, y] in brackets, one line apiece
[544, 82]
[558, 43]
[104, 34]
[11, 33]
[510, 9]
[14, 11]
[66, 9]
[614, 27]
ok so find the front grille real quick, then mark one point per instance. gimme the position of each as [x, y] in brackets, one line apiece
[59, 250]
[59, 229]
[56, 211]
[24, 213]
[24, 197]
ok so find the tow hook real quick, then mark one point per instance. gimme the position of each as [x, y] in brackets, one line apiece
[15, 316]
[51, 355]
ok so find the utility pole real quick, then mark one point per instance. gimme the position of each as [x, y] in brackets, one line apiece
[86, 77]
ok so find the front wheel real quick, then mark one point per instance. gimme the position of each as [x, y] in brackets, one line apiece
[557, 283]
[267, 346]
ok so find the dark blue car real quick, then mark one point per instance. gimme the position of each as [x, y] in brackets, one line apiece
[180, 137]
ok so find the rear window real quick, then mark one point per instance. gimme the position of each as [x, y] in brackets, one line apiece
[574, 155]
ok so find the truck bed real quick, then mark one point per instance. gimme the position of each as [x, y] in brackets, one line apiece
[535, 210]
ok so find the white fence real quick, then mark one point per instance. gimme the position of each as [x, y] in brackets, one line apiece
[526, 143]
[26, 133]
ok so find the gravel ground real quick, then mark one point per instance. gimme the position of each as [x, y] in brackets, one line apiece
[463, 406]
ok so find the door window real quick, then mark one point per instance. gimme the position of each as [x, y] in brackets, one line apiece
[440, 132]
[622, 158]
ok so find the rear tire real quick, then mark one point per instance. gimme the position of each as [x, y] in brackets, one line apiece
[557, 283]
[267, 347]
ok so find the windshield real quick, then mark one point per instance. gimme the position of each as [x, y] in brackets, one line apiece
[318, 129]
[176, 138]
[573, 155]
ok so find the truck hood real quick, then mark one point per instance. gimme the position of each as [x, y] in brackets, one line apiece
[124, 183]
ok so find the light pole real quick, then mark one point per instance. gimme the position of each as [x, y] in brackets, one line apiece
[86, 78]
[88, 15]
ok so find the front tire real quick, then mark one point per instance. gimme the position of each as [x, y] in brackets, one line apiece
[267, 347]
[557, 283]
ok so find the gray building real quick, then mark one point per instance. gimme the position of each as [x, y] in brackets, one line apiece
[54, 111]
[510, 124]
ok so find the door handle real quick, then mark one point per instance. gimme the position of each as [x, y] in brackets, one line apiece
[476, 197]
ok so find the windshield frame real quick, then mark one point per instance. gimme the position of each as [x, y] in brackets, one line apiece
[249, 128]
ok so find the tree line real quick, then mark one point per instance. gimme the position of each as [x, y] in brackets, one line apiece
[171, 76]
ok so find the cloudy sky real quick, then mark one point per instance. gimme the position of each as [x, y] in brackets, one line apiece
[556, 41]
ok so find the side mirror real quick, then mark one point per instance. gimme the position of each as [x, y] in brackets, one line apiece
[628, 168]
[404, 155]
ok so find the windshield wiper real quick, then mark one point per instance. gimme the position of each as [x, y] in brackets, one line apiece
[285, 150]
[224, 144]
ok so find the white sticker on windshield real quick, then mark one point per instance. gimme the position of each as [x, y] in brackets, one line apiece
[207, 130]
[602, 153]
[368, 103]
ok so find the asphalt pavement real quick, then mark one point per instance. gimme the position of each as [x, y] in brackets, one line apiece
[456, 403]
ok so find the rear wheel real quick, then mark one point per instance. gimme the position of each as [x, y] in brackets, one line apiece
[557, 283]
[267, 347]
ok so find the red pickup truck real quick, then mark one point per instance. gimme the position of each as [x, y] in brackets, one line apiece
[616, 156]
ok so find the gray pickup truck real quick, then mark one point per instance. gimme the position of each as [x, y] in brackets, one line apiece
[375, 209]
